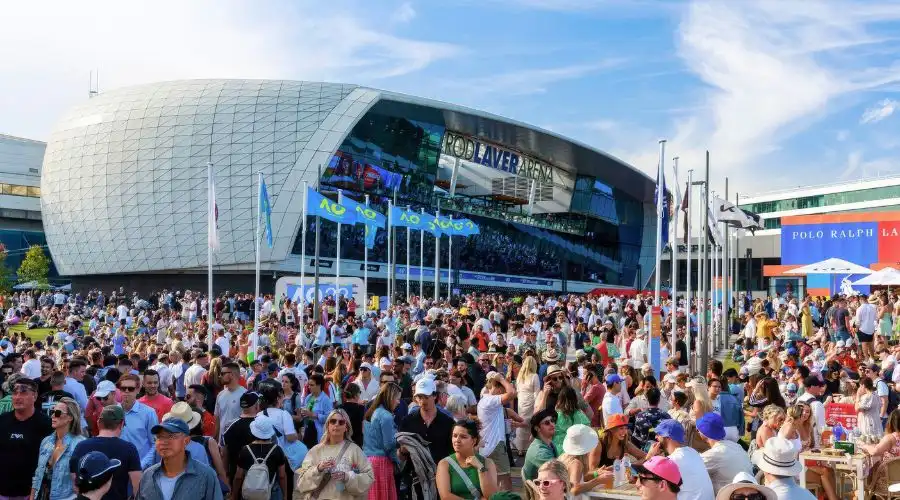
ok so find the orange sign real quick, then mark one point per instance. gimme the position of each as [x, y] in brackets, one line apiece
[656, 322]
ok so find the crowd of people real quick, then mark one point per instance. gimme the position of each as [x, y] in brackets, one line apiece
[481, 396]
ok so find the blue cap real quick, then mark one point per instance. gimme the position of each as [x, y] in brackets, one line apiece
[93, 467]
[792, 387]
[173, 425]
[613, 378]
[4, 343]
[710, 425]
[671, 429]
[791, 351]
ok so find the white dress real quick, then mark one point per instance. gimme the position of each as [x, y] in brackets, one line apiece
[868, 417]
[527, 394]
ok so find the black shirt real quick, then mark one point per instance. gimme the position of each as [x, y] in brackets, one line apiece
[438, 433]
[276, 459]
[235, 438]
[357, 413]
[20, 444]
[112, 447]
[47, 401]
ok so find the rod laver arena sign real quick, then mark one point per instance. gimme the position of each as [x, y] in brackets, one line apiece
[496, 157]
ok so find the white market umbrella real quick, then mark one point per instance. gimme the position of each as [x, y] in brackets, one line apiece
[831, 266]
[885, 277]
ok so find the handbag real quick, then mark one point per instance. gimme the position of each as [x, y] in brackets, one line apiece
[327, 478]
[476, 494]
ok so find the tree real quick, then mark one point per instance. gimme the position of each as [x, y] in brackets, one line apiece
[5, 281]
[35, 266]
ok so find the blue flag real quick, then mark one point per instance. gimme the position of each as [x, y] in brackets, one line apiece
[371, 230]
[465, 227]
[364, 214]
[430, 223]
[664, 217]
[401, 217]
[266, 209]
[316, 204]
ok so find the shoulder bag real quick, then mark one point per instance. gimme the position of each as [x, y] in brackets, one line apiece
[327, 478]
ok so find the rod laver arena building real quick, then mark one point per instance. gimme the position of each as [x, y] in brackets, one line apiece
[123, 188]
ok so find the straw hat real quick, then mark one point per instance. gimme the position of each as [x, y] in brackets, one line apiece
[182, 411]
[743, 480]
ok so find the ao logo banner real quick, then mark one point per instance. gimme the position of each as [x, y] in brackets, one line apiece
[305, 292]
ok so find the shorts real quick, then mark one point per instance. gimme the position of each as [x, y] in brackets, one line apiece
[865, 337]
[500, 458]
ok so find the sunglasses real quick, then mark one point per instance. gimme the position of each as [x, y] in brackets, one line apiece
[22, 389]
[337, 421]
[751, 496]
[59, 413]
[128, 388]
[546, 483]
[641, 479]
[548, 421]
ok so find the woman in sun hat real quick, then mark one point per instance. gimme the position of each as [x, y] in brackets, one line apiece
[744, 486]
[580, 441]
[613, 443]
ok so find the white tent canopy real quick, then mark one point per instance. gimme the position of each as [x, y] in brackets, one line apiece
[831, 266]
[885, 277]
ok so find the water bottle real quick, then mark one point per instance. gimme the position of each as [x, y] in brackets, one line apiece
[626, 467]
[618, 473]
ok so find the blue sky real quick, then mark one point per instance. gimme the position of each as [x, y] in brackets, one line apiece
[782, 93]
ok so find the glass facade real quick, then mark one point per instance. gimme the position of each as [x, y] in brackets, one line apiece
[824, 200]
[17, 190]
[775, 222]
[392, 153]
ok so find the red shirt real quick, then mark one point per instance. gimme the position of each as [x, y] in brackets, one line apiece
[160, 404]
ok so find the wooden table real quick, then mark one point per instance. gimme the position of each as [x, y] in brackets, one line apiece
[856, 462]
[627, 491]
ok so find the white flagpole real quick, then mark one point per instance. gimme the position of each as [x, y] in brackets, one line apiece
[366, 256]
[421, 262]
[337, 272]
[408, 294]
[660, 196]
[258, 248]
[450, 260]
[687, 298]
[303, 251]
[674, 240]
[437, 255]
[211, 222]
[390, 231]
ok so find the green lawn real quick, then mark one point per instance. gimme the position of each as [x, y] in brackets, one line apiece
[34, 334]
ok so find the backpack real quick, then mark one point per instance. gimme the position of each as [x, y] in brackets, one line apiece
[257, 485]
[893, 397]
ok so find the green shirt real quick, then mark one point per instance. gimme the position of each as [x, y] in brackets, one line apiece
[537, 455]
[457, 485]
[6, 404]
[563, 422]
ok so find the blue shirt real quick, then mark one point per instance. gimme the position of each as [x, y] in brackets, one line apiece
[322, 406]
[138, 423]
[378, 434]
[361, 336]
[119, 344]
[77, 389]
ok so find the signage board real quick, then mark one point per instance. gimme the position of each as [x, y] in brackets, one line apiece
[843, 413]
[497, 157]
[655, 338]
[297, 291]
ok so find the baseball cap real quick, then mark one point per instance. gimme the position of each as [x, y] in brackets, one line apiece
[367, 366]
[93, 467]
[249, 399]
[173, 425]
[671, 429]
[273, 367]
[104, 388]
[406, 346]
[112, 413]
[841, 344]
[812, 381]
[662, 467]
[712, 426]
[426, 387]
[613, 378]
[791, 387]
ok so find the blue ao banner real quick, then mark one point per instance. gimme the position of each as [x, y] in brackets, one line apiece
[364, 214]
[306, 292]
[465, 227]
[401, 217]
[371, 231]
[316, 204]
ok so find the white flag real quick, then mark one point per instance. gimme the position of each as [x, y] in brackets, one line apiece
[731, 214]
[213, 215]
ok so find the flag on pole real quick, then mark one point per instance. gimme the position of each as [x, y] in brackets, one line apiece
[685, 205]
[664, 216]
[266, 209]
[401, 217]
[463, 227]
[729, 213]
[364, 214]
[316, 204]
[254, 346]
[213, 214]
[371, 231]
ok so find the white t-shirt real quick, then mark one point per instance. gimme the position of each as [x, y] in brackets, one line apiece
[367, 393]
[283, 423]
[123, 311]
[194, 375]
[690, 464]
[611, 405]
[32, 369]
[491, 414]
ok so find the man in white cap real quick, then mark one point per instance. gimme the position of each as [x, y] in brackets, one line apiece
[368, 386]
[743, 486]
[778, 462]
[638, 352]
[492, 414]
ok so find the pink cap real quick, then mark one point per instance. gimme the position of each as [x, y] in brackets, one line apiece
[662, 467]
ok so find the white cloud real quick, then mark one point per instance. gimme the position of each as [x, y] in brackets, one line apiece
[772, 68]
[879, 112]
[528, 81]
[842, 135]
[405, 13]
[48, 50]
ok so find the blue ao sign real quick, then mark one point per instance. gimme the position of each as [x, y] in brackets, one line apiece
[497, 157]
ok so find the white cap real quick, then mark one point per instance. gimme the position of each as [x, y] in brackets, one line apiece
[425, 386]
[406, 346]
[104, 388]
[453, 390]
[841, 344]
